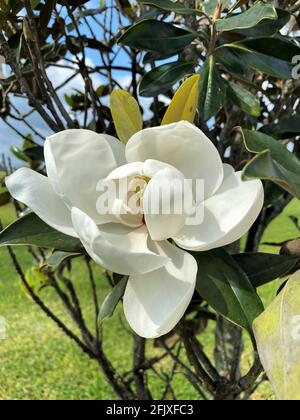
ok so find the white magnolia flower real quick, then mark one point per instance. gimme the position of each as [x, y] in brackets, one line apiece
[161, 275]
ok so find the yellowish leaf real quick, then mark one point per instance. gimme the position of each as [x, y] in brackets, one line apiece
[126, 114]
[183, 106]
[277, 333]
[35, 279]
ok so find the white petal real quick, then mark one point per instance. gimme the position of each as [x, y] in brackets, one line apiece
[163, 204]
[35, 191]
[154, 303]
[116, 247]
[148, 168]
[76, 161]
[229, 215]
[125, 171]
[183, 146]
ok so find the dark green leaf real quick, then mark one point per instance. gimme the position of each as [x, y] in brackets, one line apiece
[157, 36]
[15, 44]
[276, 47]
[261, 268]
[249, 18]
[31, 230]
[34, 3]
[4, 196]
[169, 6]
[34, 153]
[274, 162]
[273, 194]
[265, 63]
[232, 63]
[161, 79]
[151, 57]
[112, 299]
[263, 166]
[226, 288]
[209, 6]
[267, 27]
[244, 99]
[257, 142]
[102, 90]
[286, 128]
[212, 90]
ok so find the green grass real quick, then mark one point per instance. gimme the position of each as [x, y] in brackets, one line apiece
[37, 361]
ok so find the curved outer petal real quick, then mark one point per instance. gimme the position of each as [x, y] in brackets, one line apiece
[76, 161]
[125, 171]
[148, 168]
[163, 204]
[183, 146]
[154, 303]
[228, 215]
[36, 192]
[116, 247]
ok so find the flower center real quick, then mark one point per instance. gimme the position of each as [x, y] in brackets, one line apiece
[135, 194]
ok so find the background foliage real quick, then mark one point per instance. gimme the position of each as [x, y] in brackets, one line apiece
[65, 59]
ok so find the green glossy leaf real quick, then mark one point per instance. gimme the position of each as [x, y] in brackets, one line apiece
[262, 268]
[212, 90]
[15, 44]
[169, 6]
[163, 78]
[267, 64]
[277, 333]
[209, 6]
[31, 230]
[273, 194]
[249, 18]
[263, 166]
[151, 57]
[267, 27]
[276, 47]
[274, 162]
[257, 142]
[156, 36]
[226, 288]
[232, 63]
[112, 299]
[244, 99]
[286, 128]
[58, 257]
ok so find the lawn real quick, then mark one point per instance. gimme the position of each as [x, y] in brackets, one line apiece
[38, 362]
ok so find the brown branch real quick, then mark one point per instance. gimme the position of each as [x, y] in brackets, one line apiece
[206, 381]
[41, 65]
[140, 377]
[10, 59]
